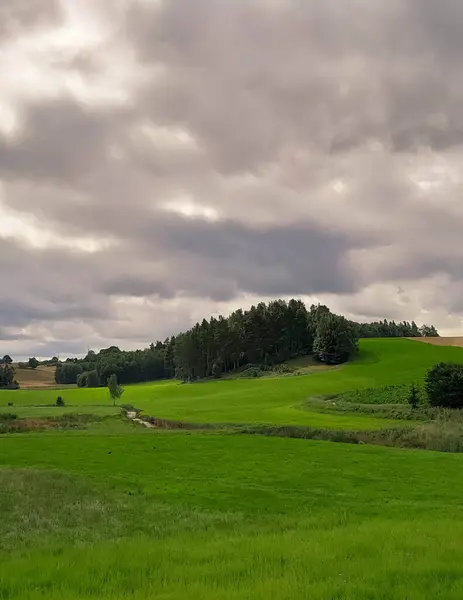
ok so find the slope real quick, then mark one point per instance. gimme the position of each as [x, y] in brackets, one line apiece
[275, 400]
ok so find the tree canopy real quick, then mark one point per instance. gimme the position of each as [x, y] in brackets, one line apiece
[7, 379]
[266, 334]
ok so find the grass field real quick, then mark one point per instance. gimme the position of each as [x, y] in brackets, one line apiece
[171, 515]
[268, 401]
[117, 511]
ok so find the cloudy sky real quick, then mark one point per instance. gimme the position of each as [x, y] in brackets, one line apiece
[165, 160]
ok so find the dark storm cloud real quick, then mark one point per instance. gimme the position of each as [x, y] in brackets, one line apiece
[248, 80]
[46, 285]
[60, 141]
[222, 259]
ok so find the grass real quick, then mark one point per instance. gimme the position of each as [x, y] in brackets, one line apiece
[268, 401]
[173, 515]
[117, 511]
[52, 411]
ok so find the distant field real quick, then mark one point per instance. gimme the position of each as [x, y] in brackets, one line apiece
[269, 401]
[41, 377]
[441, 341]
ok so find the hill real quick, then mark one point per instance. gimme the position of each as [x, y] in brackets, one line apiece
[103, 508]
[275, 400]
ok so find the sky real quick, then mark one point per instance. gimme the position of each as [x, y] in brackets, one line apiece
[162, 161]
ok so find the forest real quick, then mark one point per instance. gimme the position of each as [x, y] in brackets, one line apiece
[266, 334]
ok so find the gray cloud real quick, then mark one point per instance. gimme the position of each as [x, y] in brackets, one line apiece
[17, 16]
[320, 146]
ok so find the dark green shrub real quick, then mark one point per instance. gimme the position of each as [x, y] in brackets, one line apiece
[60, 401]
[92, 379]
[413, 396]
[444, 385]
[82, 380]
[251, 372]
[8, 417]
[284, 369]
[33, 363]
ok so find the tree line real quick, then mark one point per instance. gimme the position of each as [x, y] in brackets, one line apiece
[272, 333]
[266, 334]
[129, 367]
[381, 329]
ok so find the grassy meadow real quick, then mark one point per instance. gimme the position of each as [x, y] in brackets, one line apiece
[266, 400]
[172, 515]
[115, 511]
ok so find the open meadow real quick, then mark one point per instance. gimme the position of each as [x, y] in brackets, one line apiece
[266, 400]
[108, 509]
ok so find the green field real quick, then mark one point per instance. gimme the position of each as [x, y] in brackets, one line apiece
[268, 401]
[212, 516]
[117, 511]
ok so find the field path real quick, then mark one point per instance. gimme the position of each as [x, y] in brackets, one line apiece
[133, 416]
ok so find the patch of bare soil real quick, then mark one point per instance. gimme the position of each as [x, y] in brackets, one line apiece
[440, 341]
[41, 377]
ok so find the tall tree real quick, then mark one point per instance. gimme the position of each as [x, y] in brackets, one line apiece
[115, 390]
[335, 340]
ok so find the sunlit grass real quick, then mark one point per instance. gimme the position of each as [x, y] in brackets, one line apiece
[174, 515]
[274, 400]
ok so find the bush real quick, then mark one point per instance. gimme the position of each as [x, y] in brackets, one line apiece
[82, 380]
[444, 385]
[284, 369]
[60, 401]
[10, 403]
[413, 396]
[92, 379]
[33, 363]
[8, 417]
[251, 372]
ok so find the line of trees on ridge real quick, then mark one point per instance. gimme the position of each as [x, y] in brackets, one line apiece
[266, 334]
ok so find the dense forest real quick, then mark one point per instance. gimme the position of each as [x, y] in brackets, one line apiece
[266, 334]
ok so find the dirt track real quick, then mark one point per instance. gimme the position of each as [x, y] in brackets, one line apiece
[441, 341]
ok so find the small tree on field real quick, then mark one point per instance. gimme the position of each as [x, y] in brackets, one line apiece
[115, 390]
[444, 385]
[413, 396]
[33, 363]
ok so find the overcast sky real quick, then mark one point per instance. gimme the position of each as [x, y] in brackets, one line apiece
[165, 160]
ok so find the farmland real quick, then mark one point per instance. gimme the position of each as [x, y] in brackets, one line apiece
[114, 510]
[272, 400]
[41, 377]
